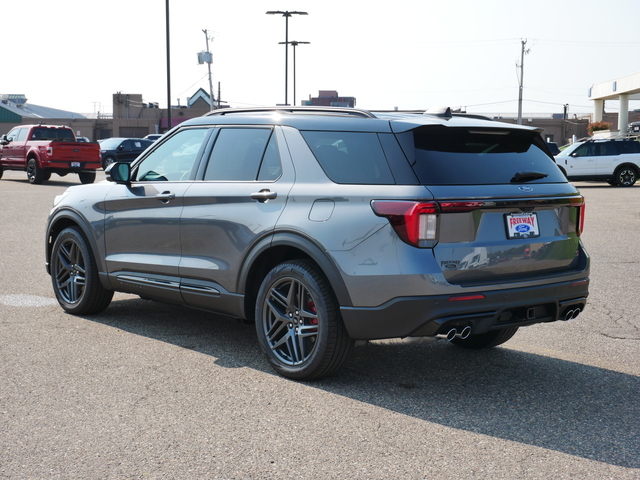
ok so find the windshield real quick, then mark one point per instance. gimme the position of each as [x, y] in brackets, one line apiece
[110, 143]
[475, 156]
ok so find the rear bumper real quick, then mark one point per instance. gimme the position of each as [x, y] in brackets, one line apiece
[67, 165]
[433, 315]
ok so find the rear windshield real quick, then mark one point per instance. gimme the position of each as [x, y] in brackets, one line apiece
[59, 134]
[471, 156]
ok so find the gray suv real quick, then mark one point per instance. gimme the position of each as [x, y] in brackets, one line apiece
[327, 226]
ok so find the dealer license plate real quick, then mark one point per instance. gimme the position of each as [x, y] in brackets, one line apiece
[522, 225]
[75, 164]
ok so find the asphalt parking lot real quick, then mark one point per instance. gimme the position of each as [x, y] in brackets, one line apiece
[146, 390]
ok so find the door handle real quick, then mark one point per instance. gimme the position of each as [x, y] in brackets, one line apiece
[264, 195]
[165, 197]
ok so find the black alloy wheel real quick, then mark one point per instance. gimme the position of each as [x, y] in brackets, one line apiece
[74, 275]
[298, 322]
[626, 176]
[35, 174]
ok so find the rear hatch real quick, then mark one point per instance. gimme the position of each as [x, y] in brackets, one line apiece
[77, 154]
[504, 209]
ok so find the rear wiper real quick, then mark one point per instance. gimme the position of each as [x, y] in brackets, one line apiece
[528, 176]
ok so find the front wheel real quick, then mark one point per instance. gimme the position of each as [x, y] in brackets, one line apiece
[74, 275]
[486, 340]
[298, 322]
[35, 174]
[626, 176]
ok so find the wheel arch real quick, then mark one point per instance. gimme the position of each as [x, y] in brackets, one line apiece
[626, 165]
[279, 248]
[64, 219]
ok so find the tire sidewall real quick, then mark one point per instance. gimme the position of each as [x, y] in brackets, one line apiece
[620, 180]
[73, 234]
[299, 272]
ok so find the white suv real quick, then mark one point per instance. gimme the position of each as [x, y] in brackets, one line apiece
[615, 161]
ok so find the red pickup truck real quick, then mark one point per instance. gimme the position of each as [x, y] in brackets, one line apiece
[41, 150]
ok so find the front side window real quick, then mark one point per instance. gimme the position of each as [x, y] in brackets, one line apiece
[175, 159]
[244, 154]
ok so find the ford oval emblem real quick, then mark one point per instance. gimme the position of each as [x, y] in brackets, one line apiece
[525, 189]
[76, 150]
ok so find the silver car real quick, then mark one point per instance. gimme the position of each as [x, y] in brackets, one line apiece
[327, 226]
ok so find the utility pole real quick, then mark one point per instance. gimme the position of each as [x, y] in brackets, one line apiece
[521, 66]
[208, 61]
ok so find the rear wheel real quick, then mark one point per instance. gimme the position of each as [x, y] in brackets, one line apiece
[35, 174]
[298, 322]
[486, 340]
[626, 176]
[107, 161]
[87, 177]
[74, 275]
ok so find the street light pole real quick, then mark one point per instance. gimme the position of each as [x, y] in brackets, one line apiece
[286, 14]
[168, 70]
[294, 43]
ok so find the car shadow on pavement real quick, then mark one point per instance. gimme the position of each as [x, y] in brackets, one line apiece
[542, 401]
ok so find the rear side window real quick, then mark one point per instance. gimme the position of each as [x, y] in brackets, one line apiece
[629, 147]
[350, 157]
[244, 154]
[471, 156]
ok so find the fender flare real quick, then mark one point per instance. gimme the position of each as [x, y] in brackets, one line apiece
[306, 245]
[71, 216]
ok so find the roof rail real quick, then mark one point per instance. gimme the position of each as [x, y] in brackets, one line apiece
[301, 110]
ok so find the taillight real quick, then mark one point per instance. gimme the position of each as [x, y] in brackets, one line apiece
[416, 223]
[50, 151]
[578, 202]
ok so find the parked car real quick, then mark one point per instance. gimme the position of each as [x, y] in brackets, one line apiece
[153, 136]
[326, 226]
[122, 149]
[615, 161]
[40, 150]
[553, 148]
[83, 139]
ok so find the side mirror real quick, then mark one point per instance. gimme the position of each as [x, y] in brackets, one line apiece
[118, 173]
[4, 140]
[574, 155]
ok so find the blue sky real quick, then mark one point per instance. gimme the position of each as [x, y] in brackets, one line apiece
[74, 55]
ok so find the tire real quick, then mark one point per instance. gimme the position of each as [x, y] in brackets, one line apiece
[1, 171]
[35, 174]
[486, 340]
[298, 322]
[46, 176]
[626, 176]
[107, 161]
[74, 275]
[87, 177]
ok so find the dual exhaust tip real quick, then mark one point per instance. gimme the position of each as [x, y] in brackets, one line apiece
[454, 333]
[571, 313]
